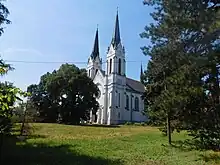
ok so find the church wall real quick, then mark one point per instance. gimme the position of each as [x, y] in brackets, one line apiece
[92, 66]
[130, 114]
[137, 115]
[99, 81]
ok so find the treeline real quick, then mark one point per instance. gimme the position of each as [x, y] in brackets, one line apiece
[66, 95]
[182, 76]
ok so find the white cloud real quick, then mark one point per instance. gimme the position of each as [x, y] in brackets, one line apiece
[21, 50]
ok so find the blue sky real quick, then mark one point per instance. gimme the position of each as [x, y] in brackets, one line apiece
[64, 31]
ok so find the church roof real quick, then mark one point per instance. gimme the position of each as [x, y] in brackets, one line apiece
[135, 85]
[95, 51]
[132, 84]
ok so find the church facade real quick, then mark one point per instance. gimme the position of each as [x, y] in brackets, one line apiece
[119, 96]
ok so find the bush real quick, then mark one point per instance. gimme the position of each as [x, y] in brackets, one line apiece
[128, 123]
[136, 124]
[5, 125]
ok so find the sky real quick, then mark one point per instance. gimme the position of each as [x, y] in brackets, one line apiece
[52, 32]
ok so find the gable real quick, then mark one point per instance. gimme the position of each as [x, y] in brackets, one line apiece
[99, 77]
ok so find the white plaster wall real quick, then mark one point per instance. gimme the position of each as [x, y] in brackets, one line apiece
[99, 81]
[115, 55]
[137, 116]
[93, 65]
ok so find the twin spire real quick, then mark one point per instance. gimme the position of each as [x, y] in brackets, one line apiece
[95, 51]
[116, 35]
[116, 39]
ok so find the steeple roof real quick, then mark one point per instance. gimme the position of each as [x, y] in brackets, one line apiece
[95, 51]
[116, 35]
[142, 75]
[141, 70]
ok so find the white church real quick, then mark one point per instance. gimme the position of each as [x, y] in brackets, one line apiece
[120, 97]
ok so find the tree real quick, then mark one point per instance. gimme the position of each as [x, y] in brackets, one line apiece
[183, 50]
[66, 95]
[4, 12]
[9, 94]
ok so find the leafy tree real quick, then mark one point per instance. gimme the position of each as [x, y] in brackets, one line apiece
[183, 55]
[4, 12]
[8, 93]
[8, 96]
[66, 95]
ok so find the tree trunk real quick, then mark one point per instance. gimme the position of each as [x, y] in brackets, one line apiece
[23, 122]
[168, 129]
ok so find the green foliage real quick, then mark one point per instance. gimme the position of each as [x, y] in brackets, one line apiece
[128, 123]
[24, 108]
[182, 78]
[4, 12]
[135, 124]
[66, 95]
[8, 96]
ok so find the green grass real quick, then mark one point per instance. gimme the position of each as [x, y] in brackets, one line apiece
[53, 144]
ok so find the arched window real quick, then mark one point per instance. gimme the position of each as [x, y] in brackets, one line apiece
[89, 72]
[136, 104]
[119, 66]
[110, 67]
[96, 71]
[127, 102]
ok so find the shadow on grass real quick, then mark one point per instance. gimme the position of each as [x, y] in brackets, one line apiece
[190, 145]
[211, 157]
[99, 125]
[186, 145]
[43, 154]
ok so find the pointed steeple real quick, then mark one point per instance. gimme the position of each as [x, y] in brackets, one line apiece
[95, 51]
[116, 35]
[141, 69]
[142, 74]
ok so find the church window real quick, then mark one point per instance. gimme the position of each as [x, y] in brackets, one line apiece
[110, 67]
[119, 66]
[119, 115]
[136, 103]
[89, 72]
[127, 102]
[96, 71]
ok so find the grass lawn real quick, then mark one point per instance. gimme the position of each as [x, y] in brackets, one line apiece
[54, 144]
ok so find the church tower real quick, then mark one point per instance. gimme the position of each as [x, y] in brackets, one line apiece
[115, 77]
[116, 52]
[94, 61]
